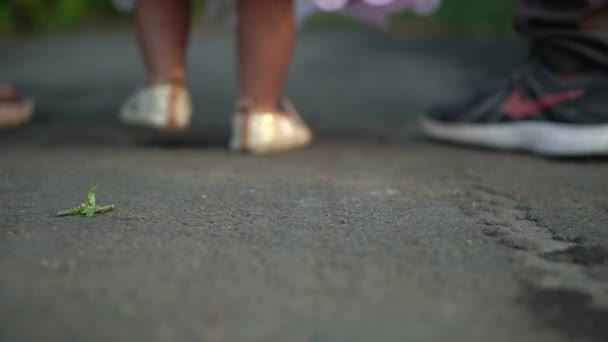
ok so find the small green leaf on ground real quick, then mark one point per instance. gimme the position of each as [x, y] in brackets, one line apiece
[88, 208]
[126, 310]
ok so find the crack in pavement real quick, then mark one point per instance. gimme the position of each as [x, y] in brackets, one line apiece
[557, 279]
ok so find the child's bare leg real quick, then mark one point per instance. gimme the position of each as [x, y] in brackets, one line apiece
[162, 30]
[266, 34]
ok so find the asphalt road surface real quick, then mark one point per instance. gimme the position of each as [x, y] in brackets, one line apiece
[372, 234]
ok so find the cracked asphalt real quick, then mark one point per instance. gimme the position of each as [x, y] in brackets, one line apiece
[372, 234]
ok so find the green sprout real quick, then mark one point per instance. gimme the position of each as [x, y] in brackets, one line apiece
[88, 208]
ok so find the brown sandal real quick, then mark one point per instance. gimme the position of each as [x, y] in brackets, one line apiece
[17, 112]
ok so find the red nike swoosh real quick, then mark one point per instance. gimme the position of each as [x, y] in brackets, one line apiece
[517, 107]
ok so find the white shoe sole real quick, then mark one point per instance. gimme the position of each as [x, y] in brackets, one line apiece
[546, 138]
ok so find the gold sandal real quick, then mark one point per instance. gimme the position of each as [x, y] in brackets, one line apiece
[268, 132]
[164, 107]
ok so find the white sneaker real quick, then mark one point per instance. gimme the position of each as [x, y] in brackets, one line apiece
[164, 107]
[267, 132]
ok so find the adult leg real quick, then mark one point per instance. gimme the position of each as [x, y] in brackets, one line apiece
[567, 35]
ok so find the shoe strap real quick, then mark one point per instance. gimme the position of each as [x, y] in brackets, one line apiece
[244, 106]
[290, 109]
[20, 93]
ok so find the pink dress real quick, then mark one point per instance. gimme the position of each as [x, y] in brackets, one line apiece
[375, 11]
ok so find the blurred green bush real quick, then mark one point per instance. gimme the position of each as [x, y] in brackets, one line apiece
[480, 17]
[34, 15]
[485, 17]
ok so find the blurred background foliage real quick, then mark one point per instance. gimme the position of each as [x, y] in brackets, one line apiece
[480, 17]
[41, 15]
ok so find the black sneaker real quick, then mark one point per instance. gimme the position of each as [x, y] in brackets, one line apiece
[534, 110]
